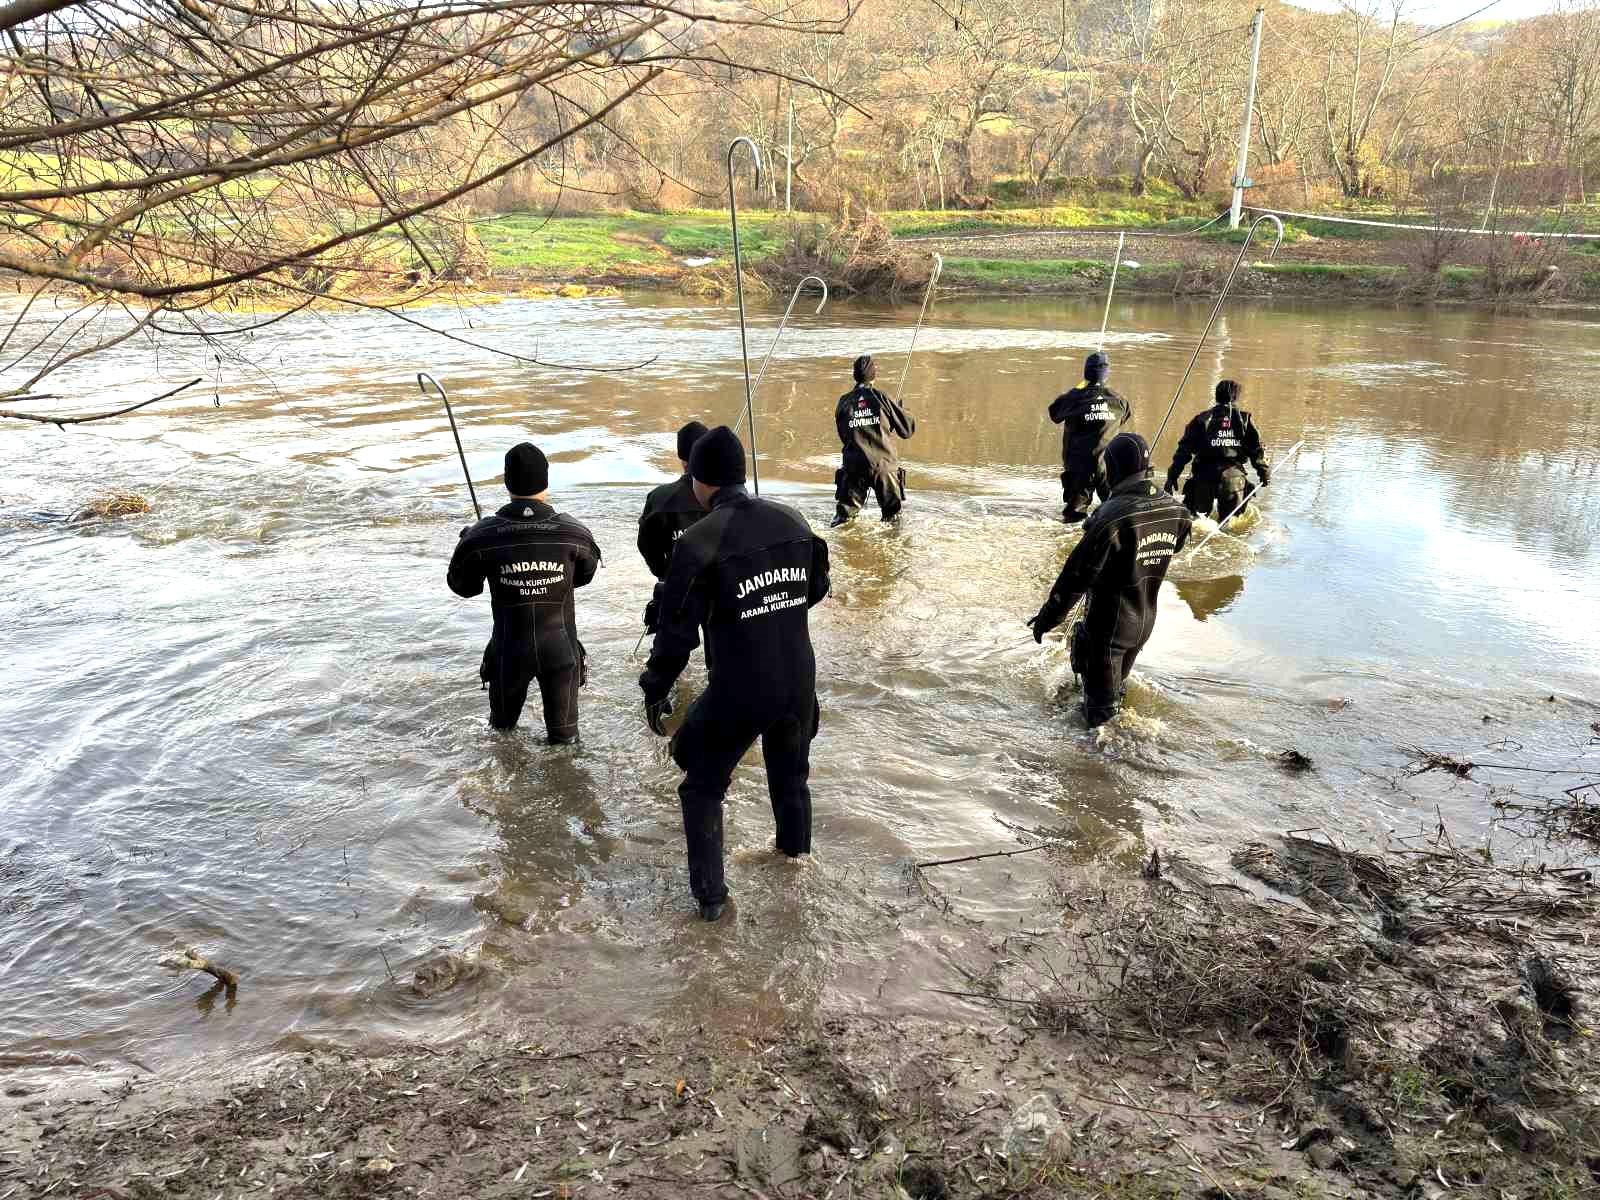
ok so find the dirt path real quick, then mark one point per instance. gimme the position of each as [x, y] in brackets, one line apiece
[1149, 247]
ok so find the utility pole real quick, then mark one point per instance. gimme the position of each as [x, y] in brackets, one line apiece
[788, 163]
[1240, 174]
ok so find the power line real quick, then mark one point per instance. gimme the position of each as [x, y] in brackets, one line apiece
[1459, 20]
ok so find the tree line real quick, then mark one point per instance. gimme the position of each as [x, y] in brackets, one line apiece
[942, 103]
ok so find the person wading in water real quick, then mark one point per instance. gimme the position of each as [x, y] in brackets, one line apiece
[1089, 416]
[1219, 441]
[1127, 546]
[748, 573]
[533, 559]
[865, 418]
[668, 511]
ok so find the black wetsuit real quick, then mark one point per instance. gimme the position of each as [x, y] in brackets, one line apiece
[865, 418]
[748, 573]
[533, 558]
[668, 511]
[1089, 416]
[1127, 546]
[1220, 441]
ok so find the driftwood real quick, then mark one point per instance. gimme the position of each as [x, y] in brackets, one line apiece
[192, 960]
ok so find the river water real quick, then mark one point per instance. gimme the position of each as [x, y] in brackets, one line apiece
[249, 720]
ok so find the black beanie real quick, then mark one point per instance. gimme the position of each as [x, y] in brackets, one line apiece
[527, 472]
[1127, 455]
[1096, 366]
[717, 459]
[687, 437]
[1228, 392]
[865, 370]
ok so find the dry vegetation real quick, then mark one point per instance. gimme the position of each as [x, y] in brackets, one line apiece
[1414, 1021]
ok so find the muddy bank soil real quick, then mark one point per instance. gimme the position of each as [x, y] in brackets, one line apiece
[1411, 1024]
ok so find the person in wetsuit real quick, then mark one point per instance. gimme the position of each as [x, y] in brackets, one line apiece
[668, 511]
[1219, 441]
[1089, 416]
[1127, 546]
[748, 573]
[865, 418]
[533, 559]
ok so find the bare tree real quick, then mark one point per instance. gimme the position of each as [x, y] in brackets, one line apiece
[159, 156]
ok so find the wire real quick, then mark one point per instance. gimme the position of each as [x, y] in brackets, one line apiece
[1459, 20]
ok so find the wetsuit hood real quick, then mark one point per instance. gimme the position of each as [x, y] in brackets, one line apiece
[1127, 454]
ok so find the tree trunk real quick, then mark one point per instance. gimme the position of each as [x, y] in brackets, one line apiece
[1141, 170]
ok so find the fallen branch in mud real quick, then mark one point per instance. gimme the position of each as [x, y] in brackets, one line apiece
[1422, 761]
[950, 862]
[192, 960]
[1574, 814]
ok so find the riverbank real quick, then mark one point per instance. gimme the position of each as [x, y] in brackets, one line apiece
[1037, 252]
[1404, 1023]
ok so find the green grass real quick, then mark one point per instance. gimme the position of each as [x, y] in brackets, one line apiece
[577, 244]
[1009, 271]
[1328, 270]
[1128, 212]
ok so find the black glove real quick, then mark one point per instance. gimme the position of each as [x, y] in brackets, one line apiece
[655, 715]
[652, 615]
[657, 703]
[1046, 619]
[1172, 485]
[1265, 475]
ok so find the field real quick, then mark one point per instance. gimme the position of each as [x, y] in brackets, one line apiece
[1062, 248]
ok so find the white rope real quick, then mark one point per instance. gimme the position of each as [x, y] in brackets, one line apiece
[1531, 233]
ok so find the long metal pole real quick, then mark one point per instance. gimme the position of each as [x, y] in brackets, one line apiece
[1106, 320]
[738, 290]
[794, 296]
[423, 379]
[1227, 286]
[938, 267]
[1238, 508]
[1241, 171]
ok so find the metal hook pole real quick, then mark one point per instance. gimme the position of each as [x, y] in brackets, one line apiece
[1216, 308]
[1110, 291]
[938, 268]
[794, 297]
[1238, 508]
[423, 379]
[738, 290]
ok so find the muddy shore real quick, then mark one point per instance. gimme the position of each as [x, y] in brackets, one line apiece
[1319, 1023]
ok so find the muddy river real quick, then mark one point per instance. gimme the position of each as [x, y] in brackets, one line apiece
[249, 720]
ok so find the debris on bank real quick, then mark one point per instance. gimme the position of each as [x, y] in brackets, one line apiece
[1387, 1022]
[110, 504]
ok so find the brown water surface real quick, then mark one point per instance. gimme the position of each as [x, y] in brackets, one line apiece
[250, 720]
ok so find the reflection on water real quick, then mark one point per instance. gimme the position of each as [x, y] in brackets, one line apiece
[1209, 597]
[250, 720]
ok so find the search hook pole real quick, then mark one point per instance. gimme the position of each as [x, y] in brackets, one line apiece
[793, 298]
[738, 291]
[423, 380]
[1216, 308]
[1117, 262]
[938, 268]
[1238, 508]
